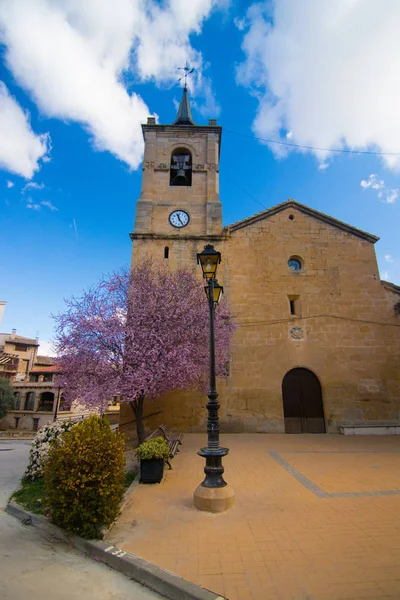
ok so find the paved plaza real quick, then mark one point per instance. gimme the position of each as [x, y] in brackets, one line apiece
[317, 517]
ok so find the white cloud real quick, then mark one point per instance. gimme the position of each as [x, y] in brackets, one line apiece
[75, 59]
[37, 205]
[327, 72]
[30, 203]
[392, 196]
[20, 148]
[46, 348]
[48, 205]
[32, 185]
[208, 106]
[385, 193]
[389, 258]
[9, 184]
[240, 23]
[373, 182]
[385, 275]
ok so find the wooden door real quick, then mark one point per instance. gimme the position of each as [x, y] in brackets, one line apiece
[302, 402]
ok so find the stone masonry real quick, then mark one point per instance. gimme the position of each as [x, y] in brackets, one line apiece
[344, 328]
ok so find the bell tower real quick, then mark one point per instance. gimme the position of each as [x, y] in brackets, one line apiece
[179, 200]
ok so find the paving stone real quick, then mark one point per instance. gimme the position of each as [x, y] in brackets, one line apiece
[281, 539]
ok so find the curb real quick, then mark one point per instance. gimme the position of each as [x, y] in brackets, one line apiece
[160, 580]
[9, 438]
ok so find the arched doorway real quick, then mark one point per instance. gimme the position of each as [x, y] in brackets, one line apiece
[302, 402]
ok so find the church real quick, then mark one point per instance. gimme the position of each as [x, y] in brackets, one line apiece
[317, 345]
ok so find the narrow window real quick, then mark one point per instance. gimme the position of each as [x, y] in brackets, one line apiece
[294, 306]
[166, 252]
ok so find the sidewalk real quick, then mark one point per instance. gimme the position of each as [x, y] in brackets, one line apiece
[316, 518]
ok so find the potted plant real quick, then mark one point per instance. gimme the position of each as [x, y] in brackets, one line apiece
[152, 454]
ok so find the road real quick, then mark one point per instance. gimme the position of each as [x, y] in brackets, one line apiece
[35, 568]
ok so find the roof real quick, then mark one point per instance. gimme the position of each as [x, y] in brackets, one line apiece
[44, 360]
[392, 287]
[308, 211]
[184, 116]
[19, 339]
[52, 369]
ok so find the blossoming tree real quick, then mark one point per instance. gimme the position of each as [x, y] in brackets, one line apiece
[139, 333]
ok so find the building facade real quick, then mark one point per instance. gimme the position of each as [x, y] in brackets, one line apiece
[317, 342]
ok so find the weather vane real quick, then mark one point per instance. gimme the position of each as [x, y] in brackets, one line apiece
[188, 71]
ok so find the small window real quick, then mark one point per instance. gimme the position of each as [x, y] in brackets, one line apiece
[21, 348]
[294, 264]
[294, 306]
[166, 252]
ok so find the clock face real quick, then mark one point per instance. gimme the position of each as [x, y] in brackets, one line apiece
[179, 218]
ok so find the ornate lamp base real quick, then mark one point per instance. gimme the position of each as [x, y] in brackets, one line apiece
[214, 499]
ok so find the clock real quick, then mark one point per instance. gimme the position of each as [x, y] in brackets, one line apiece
[179, 218]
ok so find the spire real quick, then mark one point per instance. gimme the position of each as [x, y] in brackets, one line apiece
[184, 116]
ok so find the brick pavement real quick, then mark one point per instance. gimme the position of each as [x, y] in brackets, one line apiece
[316, 518]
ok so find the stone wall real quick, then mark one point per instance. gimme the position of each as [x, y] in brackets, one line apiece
[345, 330]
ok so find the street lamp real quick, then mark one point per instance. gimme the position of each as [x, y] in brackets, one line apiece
[213, 494]
[57, 404]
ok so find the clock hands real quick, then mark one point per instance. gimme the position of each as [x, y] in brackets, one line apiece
[179, 218]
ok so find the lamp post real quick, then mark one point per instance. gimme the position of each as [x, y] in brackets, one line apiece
[57, 405]
[213, 494]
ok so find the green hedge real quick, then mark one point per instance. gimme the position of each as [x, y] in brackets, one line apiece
[84, 478]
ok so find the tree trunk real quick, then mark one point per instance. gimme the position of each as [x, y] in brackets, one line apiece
[137, 407]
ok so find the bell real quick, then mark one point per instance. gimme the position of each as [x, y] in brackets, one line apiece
[180, 178]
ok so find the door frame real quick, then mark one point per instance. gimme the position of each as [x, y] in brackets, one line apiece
[302, 418]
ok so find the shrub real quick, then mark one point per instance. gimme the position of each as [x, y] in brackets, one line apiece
[6, 397]
[155, 448]
[84, 477]
[41, 445]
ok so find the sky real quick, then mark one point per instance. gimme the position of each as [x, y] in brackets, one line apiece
[307, 93]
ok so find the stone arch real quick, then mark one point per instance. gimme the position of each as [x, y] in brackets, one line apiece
[303, 406]
[46, 402]
[175, 146]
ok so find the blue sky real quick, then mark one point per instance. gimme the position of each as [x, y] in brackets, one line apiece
[78, 82]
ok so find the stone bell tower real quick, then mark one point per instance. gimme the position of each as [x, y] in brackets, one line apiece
[179, 203]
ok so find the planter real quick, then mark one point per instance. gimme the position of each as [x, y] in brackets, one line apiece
[151, 470]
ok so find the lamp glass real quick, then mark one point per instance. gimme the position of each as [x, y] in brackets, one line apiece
[209, 260]
[218, 291]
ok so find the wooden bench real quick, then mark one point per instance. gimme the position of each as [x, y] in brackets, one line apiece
[173, 439]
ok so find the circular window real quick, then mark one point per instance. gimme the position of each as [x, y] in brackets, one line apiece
[294, 264]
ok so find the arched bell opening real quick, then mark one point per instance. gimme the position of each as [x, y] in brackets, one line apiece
[181, 168]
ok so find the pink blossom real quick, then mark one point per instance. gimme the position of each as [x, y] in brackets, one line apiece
[140, 334]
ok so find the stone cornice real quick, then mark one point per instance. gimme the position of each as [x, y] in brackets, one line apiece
[175, 237]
